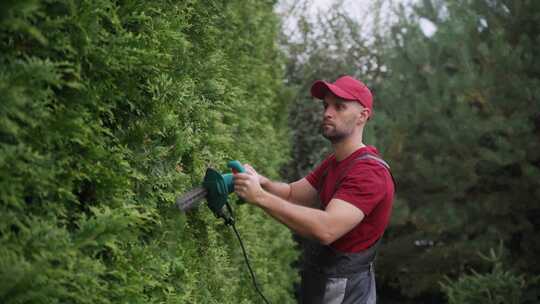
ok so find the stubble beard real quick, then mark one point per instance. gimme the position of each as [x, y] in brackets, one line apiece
[333, 134]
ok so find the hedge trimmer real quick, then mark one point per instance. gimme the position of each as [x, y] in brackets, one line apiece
[215, 188]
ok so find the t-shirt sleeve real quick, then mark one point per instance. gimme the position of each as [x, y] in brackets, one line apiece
[363, 188]
[314, 177]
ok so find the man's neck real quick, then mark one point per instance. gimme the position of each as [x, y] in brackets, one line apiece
[347, 147]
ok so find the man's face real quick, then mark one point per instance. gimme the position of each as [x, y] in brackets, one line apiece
[341, 118]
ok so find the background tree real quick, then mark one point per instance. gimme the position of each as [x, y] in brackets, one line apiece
[497, 286]
[457, 117]
[320, 46]
[462, 134]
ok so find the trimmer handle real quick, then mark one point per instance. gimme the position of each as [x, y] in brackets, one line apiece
[236, 166]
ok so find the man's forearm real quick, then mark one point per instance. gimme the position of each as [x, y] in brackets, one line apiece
[282, 190]
[305, 221]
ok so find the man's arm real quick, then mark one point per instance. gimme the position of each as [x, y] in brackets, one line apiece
[300, 192]
[325, 226]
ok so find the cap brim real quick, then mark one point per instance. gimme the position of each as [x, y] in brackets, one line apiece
[320, 88]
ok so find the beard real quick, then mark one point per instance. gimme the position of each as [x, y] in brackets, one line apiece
[334, 134]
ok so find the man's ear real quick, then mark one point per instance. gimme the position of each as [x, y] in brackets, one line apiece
[367, 113]
[363, 115]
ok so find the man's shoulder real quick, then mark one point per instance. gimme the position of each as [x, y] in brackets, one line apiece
[370, 165]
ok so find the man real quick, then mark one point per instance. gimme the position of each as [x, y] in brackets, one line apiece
[355, 190]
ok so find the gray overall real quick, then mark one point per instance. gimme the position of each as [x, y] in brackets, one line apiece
[333, 277]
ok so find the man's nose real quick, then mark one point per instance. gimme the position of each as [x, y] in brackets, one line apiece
[329, 112]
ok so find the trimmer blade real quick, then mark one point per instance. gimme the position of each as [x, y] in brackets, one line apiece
[191, 199]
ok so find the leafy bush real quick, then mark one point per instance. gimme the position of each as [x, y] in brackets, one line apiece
[109, 110]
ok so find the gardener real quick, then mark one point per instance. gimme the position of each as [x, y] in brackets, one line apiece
[344, 204]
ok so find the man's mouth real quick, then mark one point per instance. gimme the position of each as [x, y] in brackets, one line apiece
[326, 123]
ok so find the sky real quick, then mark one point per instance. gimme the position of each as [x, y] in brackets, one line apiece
[357, 8]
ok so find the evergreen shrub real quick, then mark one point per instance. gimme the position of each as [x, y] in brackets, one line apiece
[496, 287]
[109, 109]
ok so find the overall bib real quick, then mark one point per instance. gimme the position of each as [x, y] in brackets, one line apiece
[333, 277]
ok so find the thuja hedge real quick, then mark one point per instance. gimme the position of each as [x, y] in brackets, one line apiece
[108, 110]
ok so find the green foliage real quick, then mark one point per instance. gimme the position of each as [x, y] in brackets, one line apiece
[457, 116]
[497, 287]
[461, 126]
[109, 110]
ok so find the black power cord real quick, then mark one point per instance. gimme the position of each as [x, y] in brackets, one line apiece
[229, 221]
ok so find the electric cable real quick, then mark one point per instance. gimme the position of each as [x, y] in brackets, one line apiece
[248, 265]
[230, 222]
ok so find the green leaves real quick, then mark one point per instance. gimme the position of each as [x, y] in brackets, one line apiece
[498, 286]
[461, 167]
[109, 111]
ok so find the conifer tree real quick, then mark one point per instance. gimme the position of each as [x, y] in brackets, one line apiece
[457, 116]
[461, 123]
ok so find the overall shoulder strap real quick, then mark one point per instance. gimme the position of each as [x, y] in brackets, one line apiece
[362, 156]
[375, 158]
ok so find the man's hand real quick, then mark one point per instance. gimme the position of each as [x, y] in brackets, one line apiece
[262, 179]
[248, 185]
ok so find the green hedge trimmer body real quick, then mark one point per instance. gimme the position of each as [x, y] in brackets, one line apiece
[215, 188]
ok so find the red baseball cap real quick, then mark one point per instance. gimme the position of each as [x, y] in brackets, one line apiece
[346, 88]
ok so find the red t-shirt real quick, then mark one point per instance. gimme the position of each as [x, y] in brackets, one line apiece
[367, 185]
